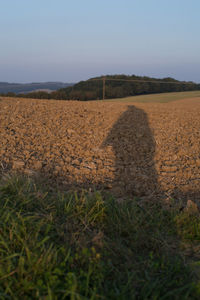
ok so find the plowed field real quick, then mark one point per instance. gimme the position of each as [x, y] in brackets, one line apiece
[140, 149]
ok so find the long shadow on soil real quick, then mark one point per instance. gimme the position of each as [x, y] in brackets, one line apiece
[133, 144]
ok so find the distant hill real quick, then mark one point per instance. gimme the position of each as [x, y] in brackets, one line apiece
[119, 86]
[18, 88]
[116, 86]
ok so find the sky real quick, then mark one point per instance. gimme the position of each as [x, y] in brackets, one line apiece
[73, 40]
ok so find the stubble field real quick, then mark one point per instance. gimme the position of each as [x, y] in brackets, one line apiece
[135, 149]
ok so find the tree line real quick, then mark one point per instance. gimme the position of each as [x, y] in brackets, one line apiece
[116, 86]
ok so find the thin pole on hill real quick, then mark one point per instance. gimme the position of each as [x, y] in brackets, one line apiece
[104, 87]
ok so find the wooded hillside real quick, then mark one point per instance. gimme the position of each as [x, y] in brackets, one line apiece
[116, 86]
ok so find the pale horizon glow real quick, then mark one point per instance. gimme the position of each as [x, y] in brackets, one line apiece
[71, 41]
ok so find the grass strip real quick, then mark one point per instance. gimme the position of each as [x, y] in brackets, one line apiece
[89, 246]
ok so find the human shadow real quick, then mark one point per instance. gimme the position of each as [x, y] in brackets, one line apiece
[133, 145]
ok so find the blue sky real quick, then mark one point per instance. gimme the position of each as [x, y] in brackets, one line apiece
[61, 40]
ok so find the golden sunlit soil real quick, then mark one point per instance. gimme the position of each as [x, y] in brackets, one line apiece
[138, 149]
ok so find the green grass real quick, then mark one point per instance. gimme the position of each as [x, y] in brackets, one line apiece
[159, 98]
[89, 246]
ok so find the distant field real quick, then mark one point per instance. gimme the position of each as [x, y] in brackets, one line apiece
[159, 98]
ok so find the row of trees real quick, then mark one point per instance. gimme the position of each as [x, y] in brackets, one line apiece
[116, 86]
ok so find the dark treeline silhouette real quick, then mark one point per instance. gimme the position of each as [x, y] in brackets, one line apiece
[92, 89]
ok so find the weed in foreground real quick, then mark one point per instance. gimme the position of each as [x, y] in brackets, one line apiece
[89, 246]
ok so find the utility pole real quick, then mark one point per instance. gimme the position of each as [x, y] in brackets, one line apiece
[104, 87]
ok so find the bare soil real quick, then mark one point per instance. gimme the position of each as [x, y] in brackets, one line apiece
[140, 149]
